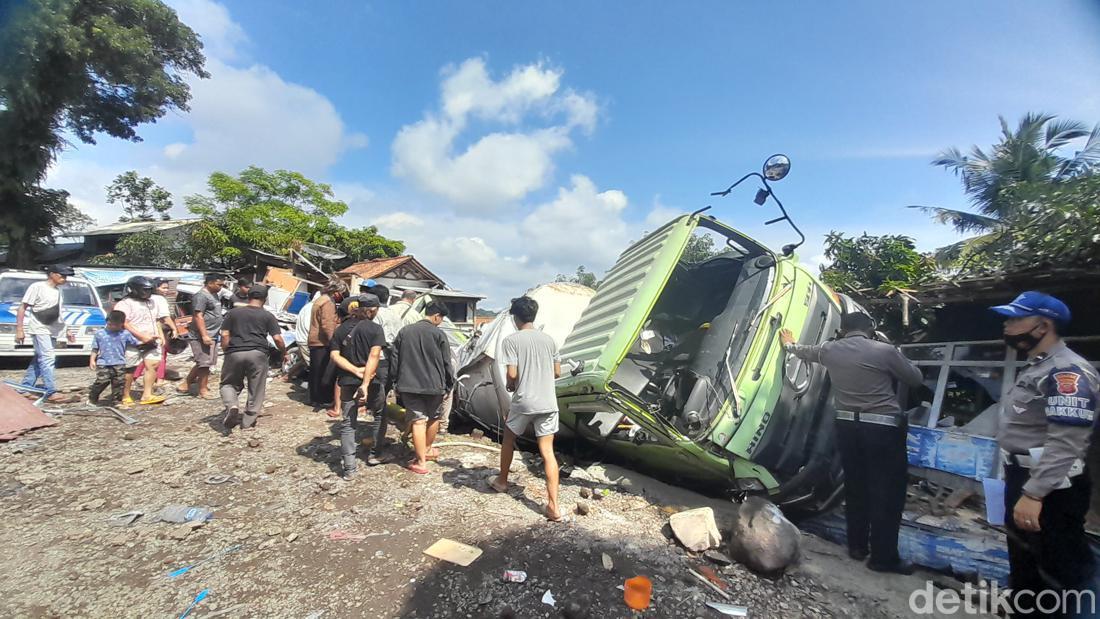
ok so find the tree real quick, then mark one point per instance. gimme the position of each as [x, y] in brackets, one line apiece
[275, 212]
[1033, 152]
[582, 277]
[141, 198]
[700, 247]
[82, 67]
[167, 249]
[871, 268]
[1047, 225]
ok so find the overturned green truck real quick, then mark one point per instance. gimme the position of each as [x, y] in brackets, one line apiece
[675, 365]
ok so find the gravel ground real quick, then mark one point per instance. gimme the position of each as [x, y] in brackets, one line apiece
[60, 485]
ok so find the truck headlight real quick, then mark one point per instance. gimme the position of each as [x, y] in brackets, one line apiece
[7, 329]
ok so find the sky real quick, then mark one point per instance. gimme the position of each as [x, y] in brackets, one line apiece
[508, 142]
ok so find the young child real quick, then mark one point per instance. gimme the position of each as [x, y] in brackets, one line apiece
[109, 357]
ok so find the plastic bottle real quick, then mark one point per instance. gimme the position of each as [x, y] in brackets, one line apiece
[637, 591]
[183, 513]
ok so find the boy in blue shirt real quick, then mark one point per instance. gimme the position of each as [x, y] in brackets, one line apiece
[109, 357]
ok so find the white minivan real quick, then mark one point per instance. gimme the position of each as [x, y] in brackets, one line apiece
[82, 314]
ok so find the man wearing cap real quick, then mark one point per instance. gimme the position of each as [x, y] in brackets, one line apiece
[1046, 423]
[355, 354]
[39, 316]
[247, 333]
[870, 432]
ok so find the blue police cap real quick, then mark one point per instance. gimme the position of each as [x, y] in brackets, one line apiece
[1032, 303]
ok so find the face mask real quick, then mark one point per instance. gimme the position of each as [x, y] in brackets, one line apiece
[1023, 341]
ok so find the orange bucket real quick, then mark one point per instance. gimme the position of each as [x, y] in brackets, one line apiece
[637, 591]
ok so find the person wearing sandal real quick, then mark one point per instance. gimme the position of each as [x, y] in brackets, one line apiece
[141, 320]
[533, 365]
[420, 360]
[206, 324]
[355, 356]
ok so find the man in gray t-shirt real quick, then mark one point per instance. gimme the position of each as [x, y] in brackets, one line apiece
[205, 328]
[533, 365]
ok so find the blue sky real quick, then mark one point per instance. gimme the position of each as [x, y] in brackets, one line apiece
[507, 142]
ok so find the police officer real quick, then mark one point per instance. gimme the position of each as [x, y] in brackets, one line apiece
[1046, 423]
[871, 432]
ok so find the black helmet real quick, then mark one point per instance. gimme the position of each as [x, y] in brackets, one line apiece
[140, 286]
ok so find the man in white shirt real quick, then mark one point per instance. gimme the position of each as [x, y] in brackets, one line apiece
[141, 320]
[43, 324]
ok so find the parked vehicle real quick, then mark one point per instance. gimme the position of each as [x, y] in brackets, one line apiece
[82, 314]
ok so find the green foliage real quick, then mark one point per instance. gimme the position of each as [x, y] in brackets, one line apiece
[874, 264]
[141, 198]
[1047, 225]
[170, 249]
[700, 247]
[84, 67]
[582, 277]
[1030, 153]
[275, 212]
[871, 268]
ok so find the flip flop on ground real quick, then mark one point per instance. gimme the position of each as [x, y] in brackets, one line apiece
[156, 399]
[416, 468]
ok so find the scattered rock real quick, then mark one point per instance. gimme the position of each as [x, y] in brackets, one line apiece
[486, 597]
[585, 492]
[718, 557]
[696, 529]
[477, 433]
[328, 506]
[268, 544]
[93, 505]
[326, 484]
[583, 508]
[272, 531]
[608, 564]
[271, 468]
[291, 537]
[762, 538]
[128, 436]
[180, 533]
[134, 470]
[253, 442]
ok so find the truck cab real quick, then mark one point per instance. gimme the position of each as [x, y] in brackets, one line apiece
[684, 374]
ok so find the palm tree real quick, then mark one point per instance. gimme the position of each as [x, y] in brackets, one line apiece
[1030, 153]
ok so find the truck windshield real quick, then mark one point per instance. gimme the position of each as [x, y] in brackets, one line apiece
[12, 290]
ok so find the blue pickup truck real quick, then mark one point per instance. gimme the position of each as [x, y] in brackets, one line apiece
[82, 313]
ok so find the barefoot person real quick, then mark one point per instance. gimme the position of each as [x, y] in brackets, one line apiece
[206, 323]
[533, 365]
[421, 363]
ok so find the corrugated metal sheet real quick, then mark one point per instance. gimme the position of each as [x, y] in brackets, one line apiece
[629, 288]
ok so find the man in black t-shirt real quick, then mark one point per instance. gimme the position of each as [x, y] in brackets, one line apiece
[245, 333]
[356, 355]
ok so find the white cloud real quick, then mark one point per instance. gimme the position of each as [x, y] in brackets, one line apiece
[240, 116]
[222, 37]
[582, 225]
[501, 167]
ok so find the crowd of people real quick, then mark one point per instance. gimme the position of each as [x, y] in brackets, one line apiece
[360, 352]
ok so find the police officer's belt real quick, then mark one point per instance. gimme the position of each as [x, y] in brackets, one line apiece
[1027, 462]
[881, 419]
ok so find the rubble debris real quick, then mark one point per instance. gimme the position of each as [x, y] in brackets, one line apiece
[585, 492]
[124, 520]
[582, 508]
[344, 536]
[217, 555]
[517, 576]
[718, 557]
[183, 513]
[454, 552]
[762, 538]
[198, 598]
[548, 599]
[696, 529]
[608, 564]
[729, 609]
[706, 581]
[637, 592]
[17, 415]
